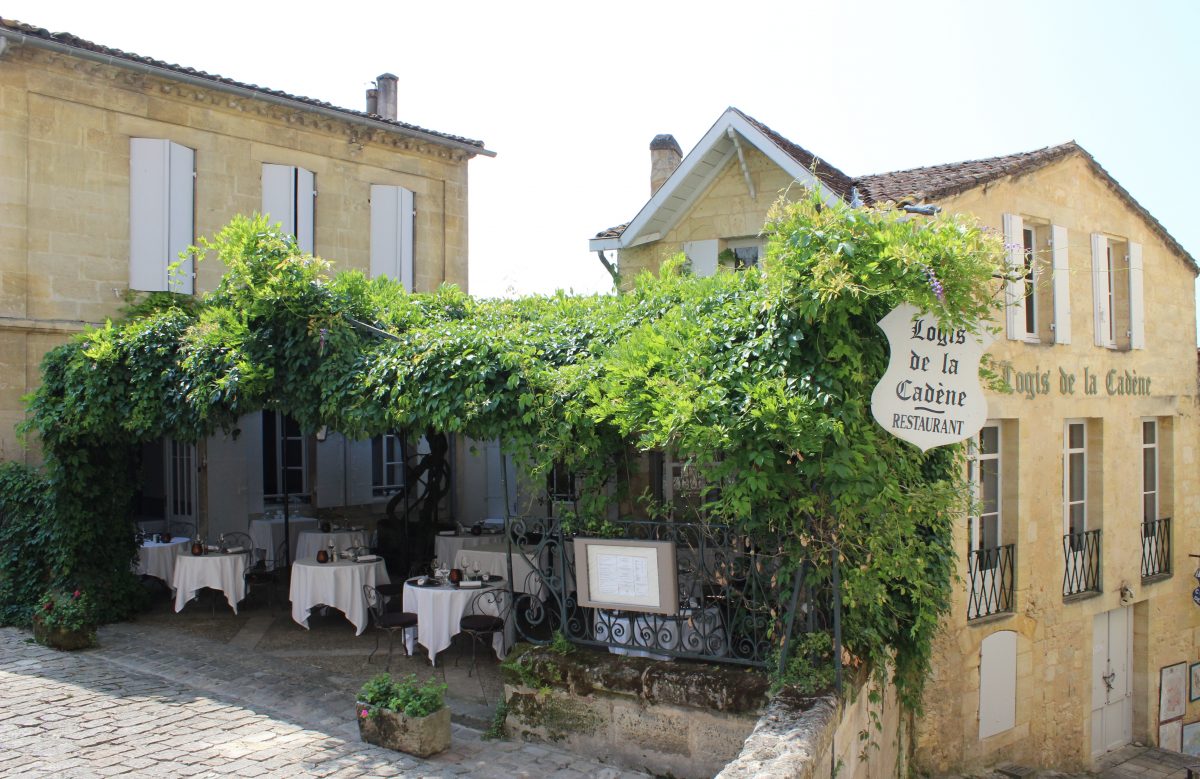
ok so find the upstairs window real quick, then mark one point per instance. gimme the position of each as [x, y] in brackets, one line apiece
[161, 210]
[741, 254]
[392, 214]
[285, 459]
[289, 197]
[1119, 318]
[1038, 290]
[387, 465]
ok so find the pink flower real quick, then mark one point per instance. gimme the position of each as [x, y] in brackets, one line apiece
[76, 594]
[363, 714]
[49, 605]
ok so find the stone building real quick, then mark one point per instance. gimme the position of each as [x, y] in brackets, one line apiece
[112, 163]
[1072, 630]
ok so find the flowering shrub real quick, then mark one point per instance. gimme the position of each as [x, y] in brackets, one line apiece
[73, 610]
[405, 696]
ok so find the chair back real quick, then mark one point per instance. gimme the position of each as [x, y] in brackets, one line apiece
[238, 538]
[492, 602]
[181, 529]
[374, 602]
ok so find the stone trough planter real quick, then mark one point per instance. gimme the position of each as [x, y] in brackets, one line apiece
[420, 736]
[61, 638]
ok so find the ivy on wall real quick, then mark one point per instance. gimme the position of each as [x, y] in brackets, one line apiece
[765, 376]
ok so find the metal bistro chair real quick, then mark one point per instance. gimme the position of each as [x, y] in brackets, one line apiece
[383, 620]
[485, 616]
[181, 529]
[266, 573]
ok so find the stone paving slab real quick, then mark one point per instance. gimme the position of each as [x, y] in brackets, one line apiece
[155, 703]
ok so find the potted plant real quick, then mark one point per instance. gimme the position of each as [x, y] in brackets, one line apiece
[65, 620]
[404, 715]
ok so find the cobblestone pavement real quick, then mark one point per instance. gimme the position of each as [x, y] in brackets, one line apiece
[1130, 762]
[153, 702]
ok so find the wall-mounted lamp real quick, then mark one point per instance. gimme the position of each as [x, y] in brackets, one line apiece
[1126, 594]
[322, 432]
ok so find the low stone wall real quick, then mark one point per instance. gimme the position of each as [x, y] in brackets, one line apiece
[670, 718]
[803, 738]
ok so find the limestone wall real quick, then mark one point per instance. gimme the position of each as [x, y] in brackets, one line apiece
[65, 127]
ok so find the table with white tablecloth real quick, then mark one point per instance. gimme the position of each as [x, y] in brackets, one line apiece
[309, 542]
[439, 610]
[157, 559]
[224, 572]
[267, 534]
[445, 547]
[338, 584]
[494, 560]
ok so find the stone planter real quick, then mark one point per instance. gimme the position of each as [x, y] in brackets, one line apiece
[420, 736]
[61, 638]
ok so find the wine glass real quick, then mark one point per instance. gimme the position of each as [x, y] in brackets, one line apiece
[435, 567]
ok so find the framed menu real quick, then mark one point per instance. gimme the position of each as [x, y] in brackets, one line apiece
[625, 574]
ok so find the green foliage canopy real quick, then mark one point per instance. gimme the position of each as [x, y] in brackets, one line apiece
[763, 376]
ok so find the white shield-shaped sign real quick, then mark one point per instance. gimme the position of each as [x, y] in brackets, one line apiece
[930, 395]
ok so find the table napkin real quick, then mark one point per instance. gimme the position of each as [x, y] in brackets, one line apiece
[368, 558]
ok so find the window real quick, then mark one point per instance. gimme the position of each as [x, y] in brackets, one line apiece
[1038, 292]
[983, 470]
[1149, 470]
[1119, 319]
[285, 459]
[1156, 497]
[741, 253]
[161, 211]
[289, 198]
[387, 465]
[392, 234]
[1075, 481]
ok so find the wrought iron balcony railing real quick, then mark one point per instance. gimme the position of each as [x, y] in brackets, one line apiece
[1081, 571]
[990, 578]
[1156, 548]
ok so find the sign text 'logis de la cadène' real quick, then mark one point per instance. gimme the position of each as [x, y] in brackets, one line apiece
[1038, 382]
[930, 395]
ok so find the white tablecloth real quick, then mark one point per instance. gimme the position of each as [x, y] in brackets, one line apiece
[310, 542]
[446, 547]
[267, 534]
[495, 561]
[339, 585]
[158, 560]
[224, 572]
[694, 630]
[438, 611]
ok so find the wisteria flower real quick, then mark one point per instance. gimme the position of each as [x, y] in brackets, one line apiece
[935, 284]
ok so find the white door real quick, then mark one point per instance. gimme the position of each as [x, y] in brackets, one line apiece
[180, 460]
[983, 526]
[1112, 683]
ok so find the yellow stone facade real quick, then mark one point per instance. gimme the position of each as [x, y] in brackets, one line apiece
[65, 129]
[1054, 673]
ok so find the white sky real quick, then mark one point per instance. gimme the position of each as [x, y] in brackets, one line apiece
[570, 94]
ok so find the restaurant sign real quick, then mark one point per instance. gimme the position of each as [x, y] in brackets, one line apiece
[930, 395]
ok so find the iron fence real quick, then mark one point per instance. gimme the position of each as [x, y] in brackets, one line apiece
[1156, 548]
[990, 577]
[734, 601]
[1081, 569]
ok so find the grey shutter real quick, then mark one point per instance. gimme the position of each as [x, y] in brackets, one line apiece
[1062, 284]
[1137, 313]
[306, 206]
[279, 195]
[392, 233]
[1014, 297]
[161, 214]
[703, 256]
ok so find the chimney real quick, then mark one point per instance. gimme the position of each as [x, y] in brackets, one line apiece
[665, 157]
[388, 85]
[373, 101]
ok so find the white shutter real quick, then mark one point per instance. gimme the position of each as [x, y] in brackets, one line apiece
[703, 256]
[306, 205]
[392, 234]
[1137, 313]
[1014, 297]
[1062, 284]
[1100, 288]
[161, 206]
[279, 196]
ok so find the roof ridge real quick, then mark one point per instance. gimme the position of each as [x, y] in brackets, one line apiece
[1064, 147]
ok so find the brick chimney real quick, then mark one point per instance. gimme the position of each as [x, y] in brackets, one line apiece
[388, 86]
[665, 157]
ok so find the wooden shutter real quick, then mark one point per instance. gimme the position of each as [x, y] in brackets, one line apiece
[161, 211]
[288, 197]
[1062, 284]
[1101, 312]
[1014, 297]
[1137, 314]
[392, 234]
[703, 256]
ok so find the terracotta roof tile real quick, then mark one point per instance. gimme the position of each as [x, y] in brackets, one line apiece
[66, 39]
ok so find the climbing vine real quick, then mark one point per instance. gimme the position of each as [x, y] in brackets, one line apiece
[763, 376]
